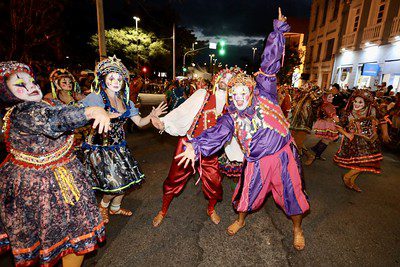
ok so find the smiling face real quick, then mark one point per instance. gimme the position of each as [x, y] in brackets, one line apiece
[358, 103]
[241, 96]
[66, 83]
[23, 86]
[114, 81]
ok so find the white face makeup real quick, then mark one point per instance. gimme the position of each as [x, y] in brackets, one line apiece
[358, 103]
[241, 96]
[329, 98]
[23, 86]
[114, 81]
[66, 84]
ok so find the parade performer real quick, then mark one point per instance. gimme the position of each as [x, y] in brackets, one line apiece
[325, 127]
[64, 87]
[198, 113]
[360, 149]
[304, 115]
[48, 209]
[255, 118]
[108, 161]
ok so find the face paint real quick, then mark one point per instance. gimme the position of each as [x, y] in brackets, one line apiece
[66, 84]
[241, 96]
[114, 81]
[329, 98]
[23, 86]
[358, 103]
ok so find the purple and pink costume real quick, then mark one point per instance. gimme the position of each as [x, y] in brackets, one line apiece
[272, 162]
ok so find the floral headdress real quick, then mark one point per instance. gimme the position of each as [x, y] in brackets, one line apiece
[222, 74]
[106, 66]
[56, 76]
[6, 69]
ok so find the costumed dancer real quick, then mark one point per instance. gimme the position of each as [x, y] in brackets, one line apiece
[255, 118]
[64, 87]
[325, 127]
[304, 115]
[198, 113]
[47, 207]
[108, 161]
[360, 149]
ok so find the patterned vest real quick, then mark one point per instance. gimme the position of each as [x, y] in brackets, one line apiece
[205, 118]
[267, 115]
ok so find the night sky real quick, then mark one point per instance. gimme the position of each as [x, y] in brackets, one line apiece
[243, 24]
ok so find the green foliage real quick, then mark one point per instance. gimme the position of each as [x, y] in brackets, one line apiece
[126, 43]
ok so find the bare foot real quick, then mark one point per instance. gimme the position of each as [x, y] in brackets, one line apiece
[158, 219]
[214, 217]
[104, 214]
[235, 227]
[299, 241]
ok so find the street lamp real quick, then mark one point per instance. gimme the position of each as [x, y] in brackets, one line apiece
[195, 43]
[137, 41]
[254, 52]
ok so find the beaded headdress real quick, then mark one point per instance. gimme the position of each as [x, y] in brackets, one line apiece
[6, 69]
[106, 66]
[56, 76]
[227, 74]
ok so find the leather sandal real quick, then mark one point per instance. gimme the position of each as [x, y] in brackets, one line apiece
[234, 228]
[121, 211]
[158, 219]
[104, 214]
[299, 241]
[214, 217]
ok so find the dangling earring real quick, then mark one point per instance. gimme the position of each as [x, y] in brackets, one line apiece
[95, 86]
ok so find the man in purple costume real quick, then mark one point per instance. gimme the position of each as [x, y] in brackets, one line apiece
[255, 118]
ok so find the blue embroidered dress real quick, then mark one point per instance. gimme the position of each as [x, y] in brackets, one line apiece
[108, 161]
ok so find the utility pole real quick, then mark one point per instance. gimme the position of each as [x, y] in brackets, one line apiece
[100, 29]
[173, 53]
[137, 43]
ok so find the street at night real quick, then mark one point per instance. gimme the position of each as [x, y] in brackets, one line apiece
[199, 133]
[344, 228]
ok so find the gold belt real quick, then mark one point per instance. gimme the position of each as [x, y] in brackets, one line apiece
[44, 159]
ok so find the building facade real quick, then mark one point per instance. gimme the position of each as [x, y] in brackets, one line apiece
[323, 40]
[370, 45]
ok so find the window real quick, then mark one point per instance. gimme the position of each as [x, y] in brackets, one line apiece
[326, 4]
[335, 10]
[318, 52]
[381, 11]
[316, 18]
[329, 49]
[356, 19]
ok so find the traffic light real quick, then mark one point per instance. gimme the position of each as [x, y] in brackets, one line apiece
[144, 69]
[221, 50]
[184, 69]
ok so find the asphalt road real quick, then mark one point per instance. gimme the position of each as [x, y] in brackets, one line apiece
[343, 228]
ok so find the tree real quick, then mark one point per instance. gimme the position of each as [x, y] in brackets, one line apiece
[292, 60]
[127, 43]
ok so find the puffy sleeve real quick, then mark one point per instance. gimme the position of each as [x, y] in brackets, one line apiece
[178, 121]
[133, 111]
[92, 100]
[271, 59]
[213, 139]
[52, 121]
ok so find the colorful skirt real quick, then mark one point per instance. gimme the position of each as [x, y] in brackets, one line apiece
[47, 213]
[325, 129]
[360, 153]
[112, 169]
[232, 169]
[279, 173]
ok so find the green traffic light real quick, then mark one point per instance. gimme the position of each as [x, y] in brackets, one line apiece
[222, 52]
[222, 43]
[184, 69]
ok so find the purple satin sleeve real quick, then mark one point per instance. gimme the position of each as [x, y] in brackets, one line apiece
[213, 139]
[271, 60]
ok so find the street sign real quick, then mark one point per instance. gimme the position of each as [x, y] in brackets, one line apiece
[212, 46]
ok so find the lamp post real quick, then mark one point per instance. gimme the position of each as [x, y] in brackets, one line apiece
[254, 53]
[137, 41]
[211, 60]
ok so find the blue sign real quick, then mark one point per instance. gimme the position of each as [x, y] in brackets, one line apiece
[370, 69]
